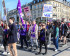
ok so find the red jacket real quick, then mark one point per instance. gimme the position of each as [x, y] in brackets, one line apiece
[68, 24]
[28, 27]
[2, 25]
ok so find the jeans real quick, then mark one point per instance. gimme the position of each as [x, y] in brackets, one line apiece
[34, 41]
[55, 41]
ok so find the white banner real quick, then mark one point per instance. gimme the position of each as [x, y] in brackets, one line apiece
[47, 10]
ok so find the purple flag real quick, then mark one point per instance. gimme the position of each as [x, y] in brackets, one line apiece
[20, 11]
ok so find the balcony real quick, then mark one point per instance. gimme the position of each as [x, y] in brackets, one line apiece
[54, 15]
[54, 6]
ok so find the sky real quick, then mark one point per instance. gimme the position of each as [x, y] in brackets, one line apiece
[68, 0]
[12, 4]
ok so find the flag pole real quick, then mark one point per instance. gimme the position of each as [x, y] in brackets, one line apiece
[5, 12]
[0, 18]
[1, 13]
[6, 17]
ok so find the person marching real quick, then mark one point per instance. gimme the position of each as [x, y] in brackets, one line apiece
[39, 29]
[12, 36]
[22, 32]
[34, 34]
[42, 39]
[28, 26]
[49, 29]
[5, 40]
[56, 37]
[63, 29]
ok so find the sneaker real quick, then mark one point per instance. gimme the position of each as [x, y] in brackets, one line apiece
[2, 46]
[8, 53]
[44, 53]
[4, 53]
[38, 53]
[64, 45]
[27, 48]
[56, 50]
[60, 43]
[36, 48]
[48, 45]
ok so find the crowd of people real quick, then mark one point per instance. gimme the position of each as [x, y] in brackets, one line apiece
[34, 35]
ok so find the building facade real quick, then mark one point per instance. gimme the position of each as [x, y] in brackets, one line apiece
[61, 10]
[14, 13]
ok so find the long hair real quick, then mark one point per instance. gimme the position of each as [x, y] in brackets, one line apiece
[5, 26]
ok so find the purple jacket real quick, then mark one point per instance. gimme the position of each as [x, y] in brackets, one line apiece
[22, 30]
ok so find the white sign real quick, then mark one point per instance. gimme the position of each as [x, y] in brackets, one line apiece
[47, 10]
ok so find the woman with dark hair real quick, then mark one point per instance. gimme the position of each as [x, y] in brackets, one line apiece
[42, 39]
[56, 37]
[5, 39]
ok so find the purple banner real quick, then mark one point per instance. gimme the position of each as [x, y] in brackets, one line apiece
[20, 11]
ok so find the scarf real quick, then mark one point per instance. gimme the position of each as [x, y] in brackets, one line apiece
[33, 30]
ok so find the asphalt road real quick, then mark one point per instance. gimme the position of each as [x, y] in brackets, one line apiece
[63, 51]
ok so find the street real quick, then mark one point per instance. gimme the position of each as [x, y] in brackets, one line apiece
[63, 51]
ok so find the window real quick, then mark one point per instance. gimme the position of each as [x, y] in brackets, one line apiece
[38, 0]
[53, 3]
[34, 2]
[38, 5]
[45, 2]
[38, 11]
[60, 10]
[35, 6]
[41, 5]
[31, 6]
[34, 16]
[41, 10]
[34, 11]
[41, 0]
[60, 5]
[56, 4]
[56, 10]
[69, 4]
[38, 14]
